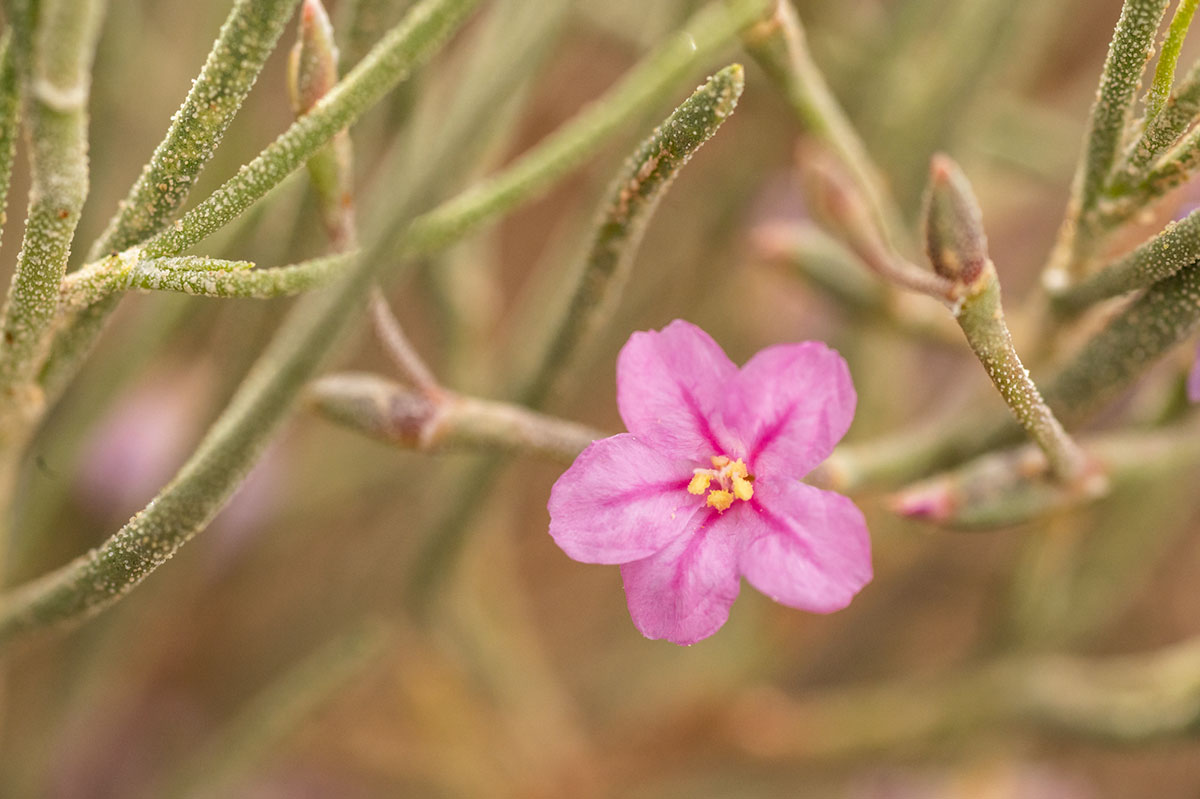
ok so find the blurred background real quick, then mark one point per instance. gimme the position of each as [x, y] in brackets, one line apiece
[279, 655]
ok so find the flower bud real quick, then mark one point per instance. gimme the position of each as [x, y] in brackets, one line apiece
[954, 237]
[312, 63]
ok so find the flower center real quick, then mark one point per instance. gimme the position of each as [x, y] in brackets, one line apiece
[732, 482]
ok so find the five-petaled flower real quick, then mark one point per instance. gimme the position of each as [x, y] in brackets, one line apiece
[704, 488]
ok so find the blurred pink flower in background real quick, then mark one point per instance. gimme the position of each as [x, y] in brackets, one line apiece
[704, 488]
[140, 444]
[141, 441]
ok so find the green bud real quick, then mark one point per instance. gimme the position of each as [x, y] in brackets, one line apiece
[954, 237]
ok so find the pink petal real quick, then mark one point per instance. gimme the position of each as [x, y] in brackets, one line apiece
[669, 382]
[683, 593]
[620, 501]
[790, 404]
[805, 548]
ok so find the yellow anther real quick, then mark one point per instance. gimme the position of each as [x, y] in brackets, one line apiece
[742, 488]
[721, 500]
[700, 481]
[719, 461]
[738, 469]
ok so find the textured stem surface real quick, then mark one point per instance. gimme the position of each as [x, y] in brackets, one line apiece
[642, 182]
[393, 413]
[186, 505]
[640, 90]
[57, 107]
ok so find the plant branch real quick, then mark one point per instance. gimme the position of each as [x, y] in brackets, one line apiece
[9, 106]
[397, 415]
[634, 195]
[957, 248]
[1132, 44]
[645, 86]
[1176, 247]
[246, 39]
[103, 576]
[779, 45]
[1128, 699]
[57, 120]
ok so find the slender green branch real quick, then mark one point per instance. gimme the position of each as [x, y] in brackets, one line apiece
[185, 506]
[9, 102]
[245, 41]
[1128, 699]
[205, 277]
[176, 274]
[399, 348]
[312, 72]
[1011, 487]
[57, 108]
[645, 177]
[1167, 126]
[1168, 57]
[957, 248]
[1175, 248]
[839, 205]
[1162, 317]
[635, 194]
[410, 419]
[258, 728]
[385, 66]
[513, 39]
[819, 259]
[1165, 315]
[243, 44]
[647, 85]
[779, 46]
[1132, 44]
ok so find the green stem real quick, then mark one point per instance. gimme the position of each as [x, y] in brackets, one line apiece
[182, 275]
[645, 177]
[1167, 126]
[957, 248]
[1175, 248]
[409, 419]
[635, 194]
[1010, 487]
[1130, 699]
[385, 66]
[981, 318]
[1166, 314]
[647, 85]
[1132, 44]
[257, 729]
[780, 47]
[1164, 71]
[9, 116]
[57, 109]
[1163, 316]
[246, 39]
[96, 580]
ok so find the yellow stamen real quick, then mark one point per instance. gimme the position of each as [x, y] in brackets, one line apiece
[700, 481]
[721, 500]
[719, 461]
[742, 488]
[738, 469]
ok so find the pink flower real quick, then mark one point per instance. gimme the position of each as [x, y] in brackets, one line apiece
[704, 488]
